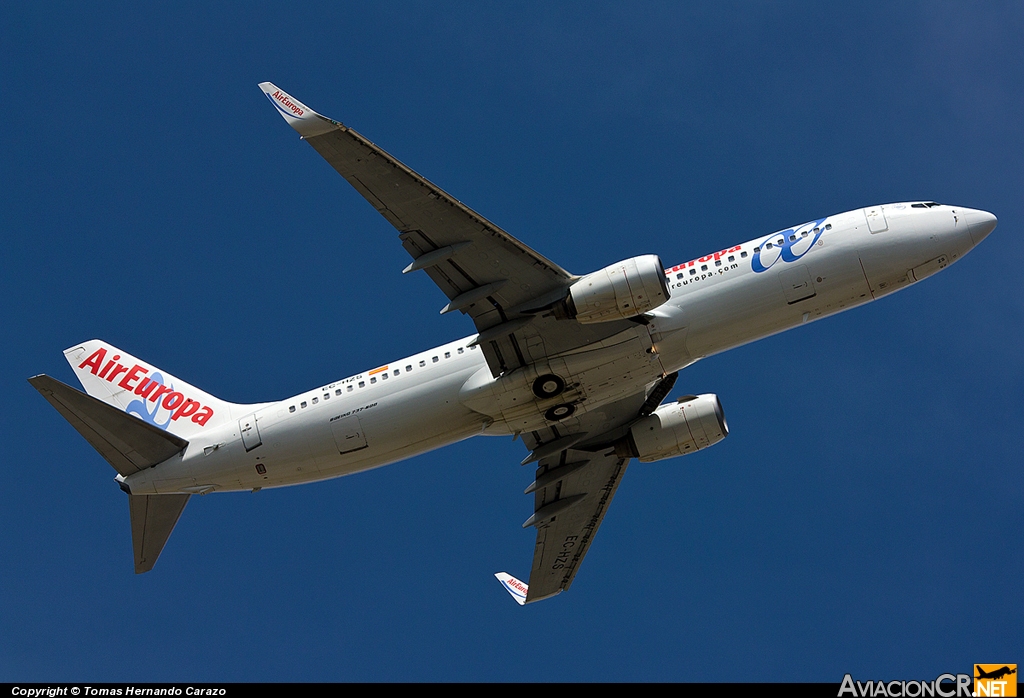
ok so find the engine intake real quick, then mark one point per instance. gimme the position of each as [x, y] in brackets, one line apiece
[675, 429]
[619, 292]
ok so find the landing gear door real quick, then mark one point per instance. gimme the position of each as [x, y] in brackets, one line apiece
[348, 433]
[250, 432]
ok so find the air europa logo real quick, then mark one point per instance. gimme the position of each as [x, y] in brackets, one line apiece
[292, 106]
[517, 585]
[706, 258]
[147, 387]
[787, 245]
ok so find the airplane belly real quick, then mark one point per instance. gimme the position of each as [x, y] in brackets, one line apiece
[582, 380]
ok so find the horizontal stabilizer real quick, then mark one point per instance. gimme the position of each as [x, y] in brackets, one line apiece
[153, 518]
[128, 443]
[513, 586]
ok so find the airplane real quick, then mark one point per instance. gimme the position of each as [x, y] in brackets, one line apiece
[576, 366]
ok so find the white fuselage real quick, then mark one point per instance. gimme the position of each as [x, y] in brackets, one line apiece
[447, 394]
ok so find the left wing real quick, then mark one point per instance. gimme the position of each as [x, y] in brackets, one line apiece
[573, 488]
[578, 472]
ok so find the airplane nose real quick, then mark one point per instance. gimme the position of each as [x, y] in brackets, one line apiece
[981, 223]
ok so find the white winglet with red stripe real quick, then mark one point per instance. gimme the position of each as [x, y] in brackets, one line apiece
[513, 586]
[300, 117]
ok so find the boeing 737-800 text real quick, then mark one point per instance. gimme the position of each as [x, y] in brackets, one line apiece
[577, 366]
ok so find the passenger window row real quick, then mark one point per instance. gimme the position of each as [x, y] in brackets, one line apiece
[373, 379]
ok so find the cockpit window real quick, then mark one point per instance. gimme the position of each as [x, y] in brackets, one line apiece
[926, 204]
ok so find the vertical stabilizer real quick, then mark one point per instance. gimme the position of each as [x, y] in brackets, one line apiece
[141, 389]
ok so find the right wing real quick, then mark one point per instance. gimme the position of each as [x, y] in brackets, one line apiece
[501, 283]
[435, 227]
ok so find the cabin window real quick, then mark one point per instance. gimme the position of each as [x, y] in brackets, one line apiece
[291, 408]
[703, 267]
[828, 226]
[447, 355]
[316, 400]
[792, 237]
[756, 250]
[718, 262]
[302, 404]
[408, 368]
[679, 275]
[373, 380]
[396, 372]
[767, 247]
[461, 350]
[349, 387]
[692, 272]
[384, 376]
[732, 258]
[743, 254]
[422, 364]
[338, 391]
[327, 396]
[434, 359]
[362, 384]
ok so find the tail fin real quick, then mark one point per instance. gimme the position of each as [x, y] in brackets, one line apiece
[513, 586]
[130, 446]
[139, 388]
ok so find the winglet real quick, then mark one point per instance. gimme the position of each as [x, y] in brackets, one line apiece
[300, 117]
[513, 586]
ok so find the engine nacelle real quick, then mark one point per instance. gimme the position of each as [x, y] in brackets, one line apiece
[675, 429]
[621, 291]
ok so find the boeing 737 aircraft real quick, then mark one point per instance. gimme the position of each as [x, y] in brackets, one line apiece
[576, 366]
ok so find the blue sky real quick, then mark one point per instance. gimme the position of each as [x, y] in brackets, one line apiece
[864, 515]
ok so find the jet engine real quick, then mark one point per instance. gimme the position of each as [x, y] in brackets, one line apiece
[675, 429]
[620, 291]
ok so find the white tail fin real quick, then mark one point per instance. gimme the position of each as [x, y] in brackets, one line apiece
[139, 388]
[513, 586]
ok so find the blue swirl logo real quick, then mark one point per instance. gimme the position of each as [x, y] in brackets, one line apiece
[140, 409]
[787, 245]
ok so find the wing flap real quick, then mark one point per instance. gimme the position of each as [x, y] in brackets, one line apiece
[128, 443]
